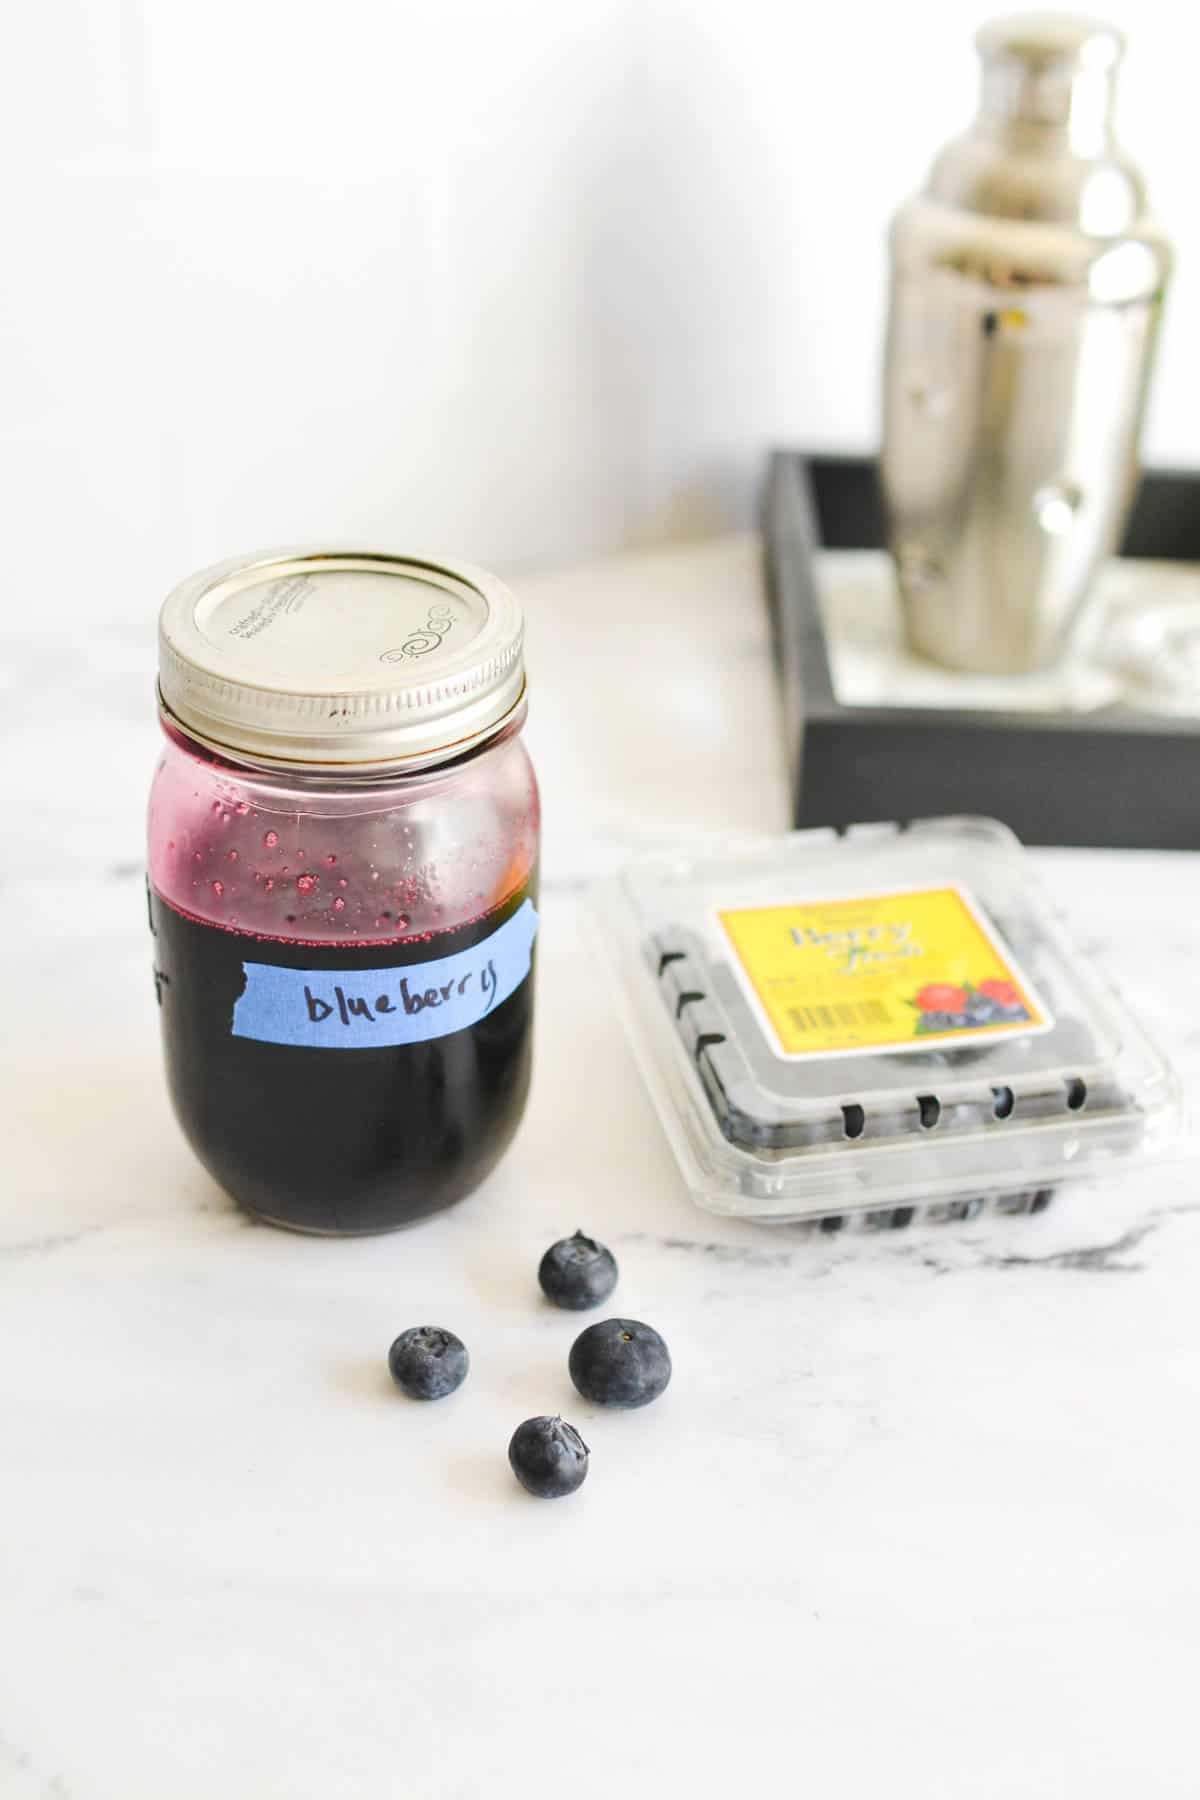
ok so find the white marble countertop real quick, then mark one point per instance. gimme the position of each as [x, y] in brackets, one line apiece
[916, 1517]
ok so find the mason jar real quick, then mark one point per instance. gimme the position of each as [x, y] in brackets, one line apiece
[343, 853]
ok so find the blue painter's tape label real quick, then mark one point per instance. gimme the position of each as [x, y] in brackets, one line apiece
[366, 1009]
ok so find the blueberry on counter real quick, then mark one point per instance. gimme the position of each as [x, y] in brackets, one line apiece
[577, 1272]
[428, 1363]
[548, 1457]
[620, 1362]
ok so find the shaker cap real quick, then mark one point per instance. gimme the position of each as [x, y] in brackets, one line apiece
[358, 660]
[1043, 38]
[1051, 70]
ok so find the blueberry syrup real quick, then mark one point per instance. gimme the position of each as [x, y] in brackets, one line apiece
[336, 1140]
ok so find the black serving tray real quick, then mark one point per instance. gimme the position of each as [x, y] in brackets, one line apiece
[1110, 777]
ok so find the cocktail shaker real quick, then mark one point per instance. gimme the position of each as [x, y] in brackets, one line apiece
[1027, 284]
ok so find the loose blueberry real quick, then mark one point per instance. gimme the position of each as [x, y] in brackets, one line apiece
[577, 1272]
[428, 1363]
[548, 1457]
[620, 1362]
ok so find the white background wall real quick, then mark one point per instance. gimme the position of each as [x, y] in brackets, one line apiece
[529, 279]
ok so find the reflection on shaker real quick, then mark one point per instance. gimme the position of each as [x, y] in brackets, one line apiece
[1027, 283]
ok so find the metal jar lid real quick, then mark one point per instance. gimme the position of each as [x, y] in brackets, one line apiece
[343, 659]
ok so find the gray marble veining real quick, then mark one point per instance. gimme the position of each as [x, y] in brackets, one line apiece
[916, 1516]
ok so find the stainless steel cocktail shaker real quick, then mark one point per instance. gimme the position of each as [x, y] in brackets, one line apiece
[1027, 283]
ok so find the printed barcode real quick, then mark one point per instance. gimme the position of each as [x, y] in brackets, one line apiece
[828, 1018]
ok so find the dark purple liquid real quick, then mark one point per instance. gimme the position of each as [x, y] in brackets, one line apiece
[335, 1140]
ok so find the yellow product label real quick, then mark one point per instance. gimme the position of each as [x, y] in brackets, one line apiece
[898, 971]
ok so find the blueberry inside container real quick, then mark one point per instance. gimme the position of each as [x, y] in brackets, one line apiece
[874, 1027]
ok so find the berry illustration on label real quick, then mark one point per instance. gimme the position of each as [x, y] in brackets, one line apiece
[940, 1006]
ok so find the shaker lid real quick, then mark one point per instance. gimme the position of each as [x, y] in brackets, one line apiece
[341, 658]
[1055, 72]
[1042, 38]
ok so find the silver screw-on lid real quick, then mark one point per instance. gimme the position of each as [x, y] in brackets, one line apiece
[341, 658]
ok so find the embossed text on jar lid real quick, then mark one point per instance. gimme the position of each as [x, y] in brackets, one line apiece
[341, 658]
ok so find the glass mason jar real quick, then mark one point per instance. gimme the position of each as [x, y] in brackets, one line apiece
[343, 846]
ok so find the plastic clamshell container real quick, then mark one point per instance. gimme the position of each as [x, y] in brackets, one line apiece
[886, 1022]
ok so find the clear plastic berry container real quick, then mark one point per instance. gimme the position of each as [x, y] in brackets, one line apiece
[343, 846]
[876, 1026]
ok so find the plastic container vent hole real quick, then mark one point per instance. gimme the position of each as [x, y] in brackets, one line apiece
[1002, 1102]
[686, 1000]
[1076, 1094]
[931, 1110]
[707, 1039]
[854, 1120]
[668, 956]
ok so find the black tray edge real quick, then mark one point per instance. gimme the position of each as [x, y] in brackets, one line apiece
[1114, 779]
